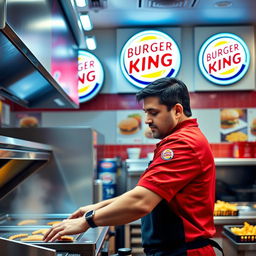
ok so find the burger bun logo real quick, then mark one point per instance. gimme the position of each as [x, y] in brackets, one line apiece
[149, 55]
[224, 59]
[90, 76]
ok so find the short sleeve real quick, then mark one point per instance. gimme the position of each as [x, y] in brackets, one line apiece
[174, 166]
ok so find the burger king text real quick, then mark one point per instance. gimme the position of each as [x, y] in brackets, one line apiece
[89, 76]
[225, 58]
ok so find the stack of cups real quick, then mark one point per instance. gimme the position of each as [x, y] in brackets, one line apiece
[133, 153]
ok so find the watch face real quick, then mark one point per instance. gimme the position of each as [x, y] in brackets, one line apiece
[89, 218]
[89, 214]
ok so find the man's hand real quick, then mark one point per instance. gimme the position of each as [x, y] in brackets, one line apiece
[80, 212]
[66, 227]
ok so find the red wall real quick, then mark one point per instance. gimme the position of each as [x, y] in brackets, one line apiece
[199, 100]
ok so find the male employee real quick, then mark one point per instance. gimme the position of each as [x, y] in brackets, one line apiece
[175, 195]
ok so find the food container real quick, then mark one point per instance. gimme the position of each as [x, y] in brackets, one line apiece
[226, 213]
[133, 153]
[243, 149]
[237, 238]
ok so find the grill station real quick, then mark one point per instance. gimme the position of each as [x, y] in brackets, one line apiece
[28, 183]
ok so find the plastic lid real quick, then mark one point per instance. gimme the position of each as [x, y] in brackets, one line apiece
[124, 251]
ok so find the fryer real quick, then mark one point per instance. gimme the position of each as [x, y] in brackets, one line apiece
[84, 244]
[27, 157]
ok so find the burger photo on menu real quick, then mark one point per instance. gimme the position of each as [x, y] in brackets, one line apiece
[253, 127]
[232, 119]
[129, 126]
[233, 125]
[229, 118]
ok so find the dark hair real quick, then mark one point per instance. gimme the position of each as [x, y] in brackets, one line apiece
[170, 92]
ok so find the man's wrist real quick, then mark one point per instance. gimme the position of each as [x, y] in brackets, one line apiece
[89, 218]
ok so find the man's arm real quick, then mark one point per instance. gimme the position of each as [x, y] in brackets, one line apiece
[128, 207]
[82, 210]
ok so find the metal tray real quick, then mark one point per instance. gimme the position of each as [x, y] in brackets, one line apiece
[85, 244]
[237, 238]
[226, 213]
[7, 231]
[41, 219]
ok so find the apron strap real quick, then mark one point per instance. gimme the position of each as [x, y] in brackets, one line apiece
[201, 242]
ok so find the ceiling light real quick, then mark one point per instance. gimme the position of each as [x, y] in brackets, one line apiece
[81, 3]
[223, 4]
[59, 102]
[86, 22]
[91, 42]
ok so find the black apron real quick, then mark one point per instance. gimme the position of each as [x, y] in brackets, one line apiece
[163, 234]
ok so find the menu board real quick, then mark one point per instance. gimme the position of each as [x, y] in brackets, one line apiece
[131, 128]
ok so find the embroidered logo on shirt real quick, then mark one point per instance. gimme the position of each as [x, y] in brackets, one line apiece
[167, 154]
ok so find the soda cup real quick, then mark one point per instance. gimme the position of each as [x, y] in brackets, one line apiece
[107, 172]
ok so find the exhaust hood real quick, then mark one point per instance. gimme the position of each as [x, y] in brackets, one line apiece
[23, 79]
[18, 160]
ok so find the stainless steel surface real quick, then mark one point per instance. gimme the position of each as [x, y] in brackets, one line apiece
[235, 161]
[85, 244]
[66, 182]
[148, 13]
[135, 165]
[27, 83]
[11, 142]
[11, 248]
[18, 160]
[221, 220]
[72, 15]
[98, 191]
[242, 246]
[2, 13]
[39, 219]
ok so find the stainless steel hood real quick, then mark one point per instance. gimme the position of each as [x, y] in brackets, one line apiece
[23, 79]
[18, 160]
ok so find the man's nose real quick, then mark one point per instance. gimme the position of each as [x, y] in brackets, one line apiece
[148, 120]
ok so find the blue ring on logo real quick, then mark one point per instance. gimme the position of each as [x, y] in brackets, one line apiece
[224, 81]
[146, 83]
[137, 82]
[97, 86]
[84, 97]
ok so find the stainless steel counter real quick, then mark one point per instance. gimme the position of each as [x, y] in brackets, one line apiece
[9, 143]
[139, 165]
[233, 248]
[87, 244]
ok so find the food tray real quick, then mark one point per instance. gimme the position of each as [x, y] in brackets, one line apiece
[87, 243]
[226, 213]
[7, 231]
[41, 219]
[237, 238]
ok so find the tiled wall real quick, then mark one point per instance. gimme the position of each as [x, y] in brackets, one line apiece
[199, 100]
[111, 151]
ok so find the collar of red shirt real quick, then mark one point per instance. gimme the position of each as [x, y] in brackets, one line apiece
[191, 122]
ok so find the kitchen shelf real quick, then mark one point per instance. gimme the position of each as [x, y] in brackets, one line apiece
[234, 161]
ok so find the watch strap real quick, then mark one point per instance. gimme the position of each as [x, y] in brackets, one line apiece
[89, 218]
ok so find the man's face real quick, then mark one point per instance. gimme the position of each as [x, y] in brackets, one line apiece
[159, 119]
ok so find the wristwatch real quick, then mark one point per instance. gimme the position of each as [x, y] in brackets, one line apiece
[89, 218]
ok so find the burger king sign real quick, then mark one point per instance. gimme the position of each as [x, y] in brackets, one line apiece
[90, 76]
[224, 58]
[149, 55]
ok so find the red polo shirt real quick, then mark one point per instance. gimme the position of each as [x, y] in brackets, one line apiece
[183, 174]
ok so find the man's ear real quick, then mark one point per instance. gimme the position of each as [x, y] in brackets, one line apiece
[178, 110]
